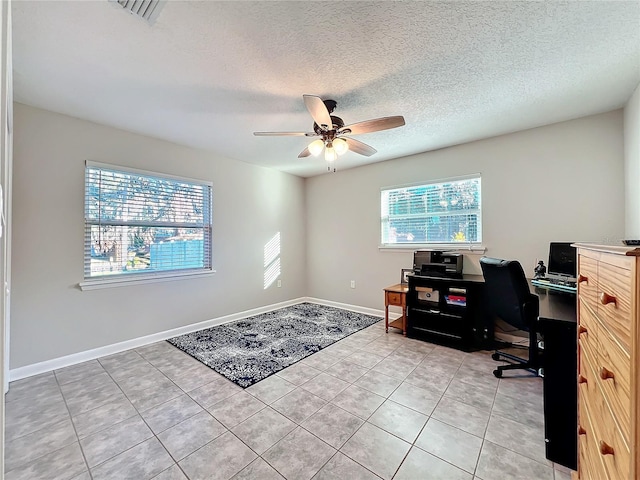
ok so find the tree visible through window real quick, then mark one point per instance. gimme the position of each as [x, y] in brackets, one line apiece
[138, 222]
[445, 212]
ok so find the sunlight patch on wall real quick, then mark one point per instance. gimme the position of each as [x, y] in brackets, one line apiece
[272, 260]
[272, 250]
[271, 273]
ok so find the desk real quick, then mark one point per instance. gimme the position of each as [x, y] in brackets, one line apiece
[396, 295]
[557, 325]
[556, 305]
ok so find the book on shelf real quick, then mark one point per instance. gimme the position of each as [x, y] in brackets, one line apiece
[456, 300]
[458, 291]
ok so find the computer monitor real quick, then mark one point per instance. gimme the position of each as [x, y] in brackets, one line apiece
[562, 261]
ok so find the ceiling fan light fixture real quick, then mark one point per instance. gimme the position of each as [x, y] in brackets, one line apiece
[331, 129]
[340, 145]
[330, 154]
[315, 147]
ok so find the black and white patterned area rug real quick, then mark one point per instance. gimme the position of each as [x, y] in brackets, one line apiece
[249, 350]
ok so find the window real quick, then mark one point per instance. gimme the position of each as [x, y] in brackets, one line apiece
[140, 223]
[434, 213]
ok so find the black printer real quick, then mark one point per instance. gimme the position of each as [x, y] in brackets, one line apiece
[436, 263]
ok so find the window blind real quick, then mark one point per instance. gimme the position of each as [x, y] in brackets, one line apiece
[438, 213]
[144, 223]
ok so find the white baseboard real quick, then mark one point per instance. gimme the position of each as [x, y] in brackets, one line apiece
[68, 360]
[346, 306]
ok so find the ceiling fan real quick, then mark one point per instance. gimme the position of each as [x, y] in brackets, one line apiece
[332, 131]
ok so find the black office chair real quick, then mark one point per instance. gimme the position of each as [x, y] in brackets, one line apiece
[508, 296]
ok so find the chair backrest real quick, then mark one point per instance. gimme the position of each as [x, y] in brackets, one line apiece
[507, 291]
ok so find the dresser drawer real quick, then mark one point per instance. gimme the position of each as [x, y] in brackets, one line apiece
[590, 465]
[583, 459]
[612, 449]
[614, 302]
[613, 367]
[587, 280]
[588, 330]
[588, 389]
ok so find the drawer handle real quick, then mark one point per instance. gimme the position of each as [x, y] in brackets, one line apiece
[581, 431]
[605, 373]
[606, 299]
[582, 278]
[605, 449]
[582, 330]
[582, 379]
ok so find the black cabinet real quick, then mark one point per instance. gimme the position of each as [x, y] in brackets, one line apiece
[559, 366]
[557, 324]
[449, 311]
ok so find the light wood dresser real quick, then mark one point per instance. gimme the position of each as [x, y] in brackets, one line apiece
[608, 362]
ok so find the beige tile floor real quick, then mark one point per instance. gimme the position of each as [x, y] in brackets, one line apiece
[371, 406]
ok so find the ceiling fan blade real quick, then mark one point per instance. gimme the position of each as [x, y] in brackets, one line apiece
[304, 153]
[359, 147]
[269, 134]
[318, 111]
[384, 123]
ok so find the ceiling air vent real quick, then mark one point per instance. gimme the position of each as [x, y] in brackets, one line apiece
[148, 10]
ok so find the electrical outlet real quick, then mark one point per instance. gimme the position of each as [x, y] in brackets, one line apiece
[279, 283]
[353, 284]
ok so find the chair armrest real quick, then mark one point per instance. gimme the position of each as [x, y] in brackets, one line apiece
[531, 309]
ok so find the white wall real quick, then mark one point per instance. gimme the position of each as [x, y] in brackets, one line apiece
[632, 166]
[51, 317]
[6, 161]
[562, 182]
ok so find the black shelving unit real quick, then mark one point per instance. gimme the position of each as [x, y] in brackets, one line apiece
[449, 311]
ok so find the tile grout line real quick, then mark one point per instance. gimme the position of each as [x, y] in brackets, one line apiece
[138, 414]
[73, 424]
[68, 417]
[227, 429]
[118, 423]
[176, 462]
[430, 416]
[453, 426]
[373, 413]
[337, 450]
[486, 428]
[155, 435]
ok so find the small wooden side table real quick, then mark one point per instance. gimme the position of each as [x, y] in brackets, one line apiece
[396, 295]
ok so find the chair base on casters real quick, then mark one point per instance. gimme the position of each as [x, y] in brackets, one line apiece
[522, 364]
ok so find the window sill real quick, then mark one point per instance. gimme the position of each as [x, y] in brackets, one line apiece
[121, 281]
[450, 247]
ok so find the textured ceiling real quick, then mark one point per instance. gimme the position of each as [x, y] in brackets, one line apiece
[208, 74]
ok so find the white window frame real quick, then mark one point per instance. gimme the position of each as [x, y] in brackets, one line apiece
[475, 246]
[120, 279]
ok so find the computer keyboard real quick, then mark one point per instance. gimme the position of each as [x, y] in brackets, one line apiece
[555, 281]
[554, 284]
